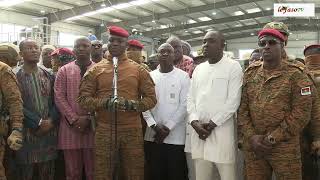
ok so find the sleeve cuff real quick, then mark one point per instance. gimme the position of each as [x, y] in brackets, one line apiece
[170, 124]
[192, 117]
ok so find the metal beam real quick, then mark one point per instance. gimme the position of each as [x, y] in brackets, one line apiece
[290, 22]
[181, 12]
[77, 10]
[157, 32]
[312, 28]
[207, 23]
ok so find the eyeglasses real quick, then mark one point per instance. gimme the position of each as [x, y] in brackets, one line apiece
[96, 45]
[271, 42]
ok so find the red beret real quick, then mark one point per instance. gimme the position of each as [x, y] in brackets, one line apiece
[311, 46]
[272, 32]
[118, 31]
[136, 43]
[60, 51]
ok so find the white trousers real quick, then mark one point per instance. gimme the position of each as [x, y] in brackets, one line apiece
[205, 170]
[191, 167]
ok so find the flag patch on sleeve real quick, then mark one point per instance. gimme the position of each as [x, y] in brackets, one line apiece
[305, 91]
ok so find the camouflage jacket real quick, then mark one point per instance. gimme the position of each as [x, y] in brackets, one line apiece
[10, 97]
[276, 103]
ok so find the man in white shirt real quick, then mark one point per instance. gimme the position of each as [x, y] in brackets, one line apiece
[166, 131]
[213, 100]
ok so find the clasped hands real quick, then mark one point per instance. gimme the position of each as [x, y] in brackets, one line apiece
[162, 132]
[260, 145]
[203, 129]
[120, 104]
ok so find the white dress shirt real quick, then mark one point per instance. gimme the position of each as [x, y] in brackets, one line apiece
[171, 108]
[215, 94]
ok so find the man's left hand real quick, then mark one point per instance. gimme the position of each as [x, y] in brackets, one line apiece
[82, 123]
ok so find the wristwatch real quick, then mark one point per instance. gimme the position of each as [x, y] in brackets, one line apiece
[271, 139]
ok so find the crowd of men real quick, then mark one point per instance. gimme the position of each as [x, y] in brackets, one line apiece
[176, 117]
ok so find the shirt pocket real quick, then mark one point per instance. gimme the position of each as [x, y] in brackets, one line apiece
[173, 92]
[220, 87]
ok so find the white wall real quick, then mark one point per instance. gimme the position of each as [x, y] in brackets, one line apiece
[295, 47]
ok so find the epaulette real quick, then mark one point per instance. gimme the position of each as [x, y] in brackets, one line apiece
[296, 64]
[254, 65]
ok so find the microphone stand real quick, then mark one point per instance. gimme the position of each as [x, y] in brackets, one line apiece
[115, 153]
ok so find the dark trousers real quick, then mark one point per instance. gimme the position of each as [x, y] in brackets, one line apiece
[166, 161]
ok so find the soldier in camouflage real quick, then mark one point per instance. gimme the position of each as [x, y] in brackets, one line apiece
[134, 52]
[10, 110]
[275, 107]
[312, 133]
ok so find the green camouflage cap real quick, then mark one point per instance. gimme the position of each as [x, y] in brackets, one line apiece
[280, 26]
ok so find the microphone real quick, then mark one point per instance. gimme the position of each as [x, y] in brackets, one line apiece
[115, 77]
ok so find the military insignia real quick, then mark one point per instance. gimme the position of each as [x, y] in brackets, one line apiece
[172, 95]
[305, 91]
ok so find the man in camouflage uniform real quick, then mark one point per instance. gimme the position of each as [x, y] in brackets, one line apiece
[308, 133]
[134, 52]
[275, 107]
[312, 133]
[10, 109]
[136, 94]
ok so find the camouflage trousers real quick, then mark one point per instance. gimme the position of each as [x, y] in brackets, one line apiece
[284, 160]
[131, 154]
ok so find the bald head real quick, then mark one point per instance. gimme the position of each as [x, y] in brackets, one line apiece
[176, 43]
[165, 57]
[83, 38]
[165, 46]
[213, 45]
[82, 48]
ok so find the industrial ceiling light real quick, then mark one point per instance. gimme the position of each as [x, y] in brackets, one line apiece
[8, 3]
[238, 13]
[214, 13]
[42, 11]
[205, 18]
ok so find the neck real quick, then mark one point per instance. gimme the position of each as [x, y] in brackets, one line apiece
[166, 68]
[270, 65]
[215, 59]
[97, 56]
[83, 61]
[30, 66]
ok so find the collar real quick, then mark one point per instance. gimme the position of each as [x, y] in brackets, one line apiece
[121, 58]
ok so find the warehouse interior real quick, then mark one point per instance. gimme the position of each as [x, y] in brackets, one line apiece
[59, 22]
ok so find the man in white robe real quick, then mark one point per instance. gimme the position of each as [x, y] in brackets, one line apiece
[213, 100]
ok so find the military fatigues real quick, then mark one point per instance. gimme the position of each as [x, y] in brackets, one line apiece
[10, 105]
[276, 103]
[133, 83]
[312, 133]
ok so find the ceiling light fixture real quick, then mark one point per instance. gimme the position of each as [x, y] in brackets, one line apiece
[214, 13]
[268, 9]
[205, 18]
[253, 10]
[104, 9]
[238, 13]
[42, 11]
[191, 21]
[252, 34]
[8, 3]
